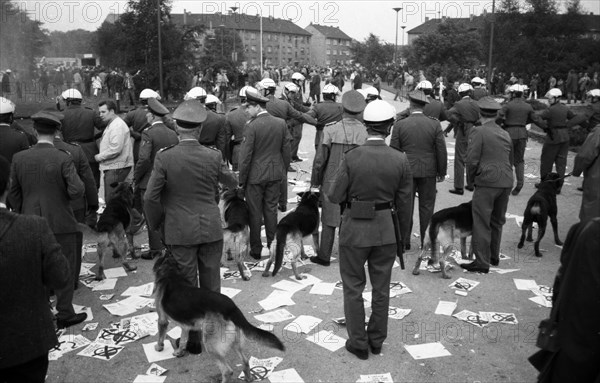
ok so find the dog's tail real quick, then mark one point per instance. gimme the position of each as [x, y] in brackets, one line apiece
[535, 209]
[280, 237]
[252, 332]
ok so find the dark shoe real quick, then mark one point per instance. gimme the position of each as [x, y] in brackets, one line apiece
[407, 246]
[469, 188]
[360, 354]
[516, 191]
[475, 268]
[150, 254]
[137, 224]
[580, 188]
[297, 159]
[494, 262]
[319, 261]
[129, 267]
[256, 256]
[291, 169]
[375, 350]
[282, 208]
[457, 191]
[64, 323]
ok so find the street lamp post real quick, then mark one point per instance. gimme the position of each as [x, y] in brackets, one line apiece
[489, 74]
[234, 54]
[404, 26]
[222, 26]
[398, 9]
[160, 64]
[261, 45]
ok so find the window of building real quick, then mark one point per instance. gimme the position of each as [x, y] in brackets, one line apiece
[269, 36]
[269, 49]
[328, 41]
[253, 36]
[347, 43]
[335, 51]
[328, 52]
[253, 61]
[289, 49]
[289, 38]
[253, 48]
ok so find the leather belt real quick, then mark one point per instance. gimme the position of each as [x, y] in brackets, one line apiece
[378, 206]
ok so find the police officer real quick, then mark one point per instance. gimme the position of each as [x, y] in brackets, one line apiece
[211, 103]
[213, 132]
[290, 94]
[264, 158]
[464, 114]
[338, 137]
[137, 121]
[422, 139]
[556, 143]
[235, 121]
[370, 93]
[79, 126]
[489, 162]
[372, 178]
[43, 181]
[154, 138]
[434, 108]
[514, 116]
[479, 90]
[326, 112]
[11, 140]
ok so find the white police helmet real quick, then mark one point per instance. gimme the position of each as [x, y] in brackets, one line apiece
[298, 76]
[6, 106]
[378, 111]
[554, 92]
[243, 90]
[268, 83]
[371, 92]
[331, 89]
[212, 99]
[149, 93]
[72, 94]
[291, 87]
[594, 93]
[195, 93]
[464, 87]
[424, 85]
[517, 88]
[476, 80]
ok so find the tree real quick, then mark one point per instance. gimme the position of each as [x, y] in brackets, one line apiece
[218, 49]
[70, 43]
[22, 39]
[446, 51]
[372, 52]
[131, 43]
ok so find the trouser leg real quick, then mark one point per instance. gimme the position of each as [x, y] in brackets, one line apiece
[64, 296]
[427, 194]
[271, 196]
[283, 191]
[561, 162]
[497, 221]
[549, 153]
[187, 258]
[209, 264]
[460, 154]
[254, 198]
[483, 204]
[352, 271]
[381, 260]
[519, 160]
[326, 242]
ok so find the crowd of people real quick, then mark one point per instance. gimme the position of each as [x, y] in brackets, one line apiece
[178, 162]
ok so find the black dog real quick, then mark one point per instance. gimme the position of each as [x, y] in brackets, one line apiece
[291, 230]
[113, 226]
[236, 234]
[540, 206]
[213, 314]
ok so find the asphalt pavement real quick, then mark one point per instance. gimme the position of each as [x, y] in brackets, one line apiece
[496, 352]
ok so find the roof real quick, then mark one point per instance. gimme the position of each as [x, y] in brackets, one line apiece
[431, 25]
[330, 32]
[232, 21]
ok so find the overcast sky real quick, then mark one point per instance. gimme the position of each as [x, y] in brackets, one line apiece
[355, 18]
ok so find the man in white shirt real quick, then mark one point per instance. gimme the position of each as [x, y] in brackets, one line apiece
[116, 150]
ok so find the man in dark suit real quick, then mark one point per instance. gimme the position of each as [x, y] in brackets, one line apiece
[434, 108]
[213, 132]
[180, 199]
[372, 179]
[11, 140]
[86, 205]
[422, 139]
[463, 115]
[235, 121]
[489, 160]
[44, 180]
[154, 138]
[264, 158]
[326, 112]
[479, 90]
[27, 268]
[514, 116]
[291, 94]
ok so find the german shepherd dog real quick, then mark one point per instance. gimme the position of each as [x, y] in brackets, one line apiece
[113, 227]
[292, 229]
[196, 309]
[540, 206]
[446, 226]
[236, 236]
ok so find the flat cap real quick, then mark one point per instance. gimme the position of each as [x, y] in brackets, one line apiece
[418, 97]
[190, 112]
[156, 107]
[46, 122]
[254, 96]
[353, 101]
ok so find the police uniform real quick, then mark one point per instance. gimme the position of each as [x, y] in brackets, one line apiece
[435, 109]
[515, 115]
[90, 199]
[295, 126]
[325, 113]
[43, 182]
[264, 158]
[235, 121]
[377, 174]
[12, 141]
[155, 137]
[556, 148]
[479, 93]
[180, 201]
[338, 137]
[489, 162]
[78, 126]
[464, 114]
[422, 139]
[137, 122]
[213, 131]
